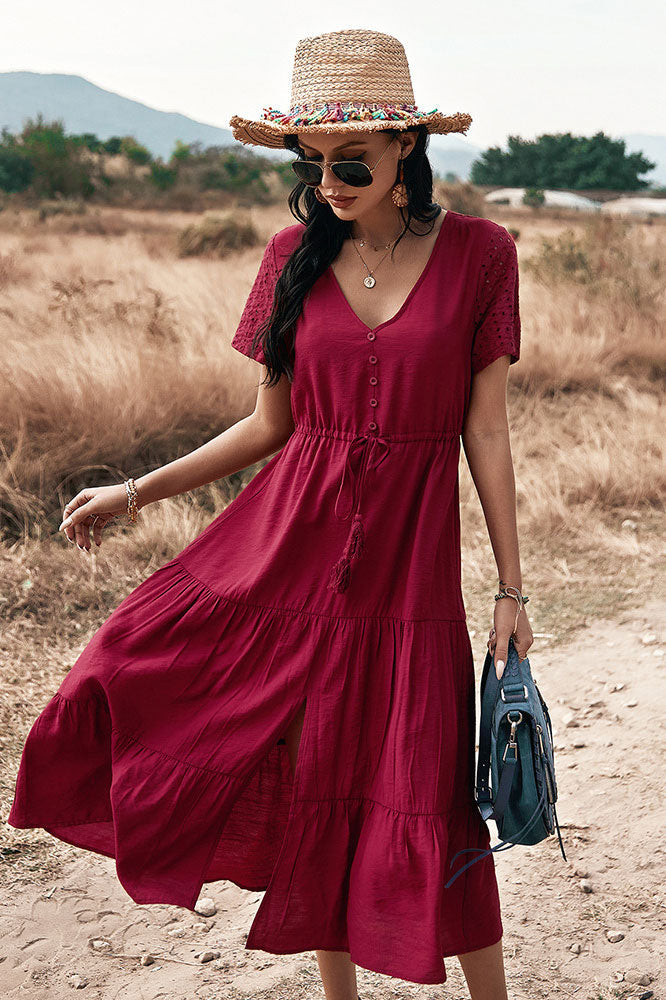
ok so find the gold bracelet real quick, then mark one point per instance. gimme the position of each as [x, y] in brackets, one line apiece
[132, 497]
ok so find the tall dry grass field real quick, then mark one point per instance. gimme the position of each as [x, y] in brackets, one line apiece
[115, 358]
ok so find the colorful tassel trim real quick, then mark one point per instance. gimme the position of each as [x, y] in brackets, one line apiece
[304, 115]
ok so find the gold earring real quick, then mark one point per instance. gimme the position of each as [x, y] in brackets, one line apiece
[319, 196]
[399, 194]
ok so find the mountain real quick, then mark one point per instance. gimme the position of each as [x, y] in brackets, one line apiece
[85, 107]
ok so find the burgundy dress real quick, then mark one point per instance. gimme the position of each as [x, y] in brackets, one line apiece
[335, 578]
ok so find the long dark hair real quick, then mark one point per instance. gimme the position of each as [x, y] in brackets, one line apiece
[323, 237]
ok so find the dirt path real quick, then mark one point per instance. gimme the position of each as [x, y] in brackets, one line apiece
[610, 763]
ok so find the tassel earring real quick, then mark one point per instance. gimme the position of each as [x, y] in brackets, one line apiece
[319, 196]
[399, 195]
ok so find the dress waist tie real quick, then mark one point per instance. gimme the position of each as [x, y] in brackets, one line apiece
[364, 452]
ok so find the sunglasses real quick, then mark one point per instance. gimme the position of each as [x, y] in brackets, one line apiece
[355, 173]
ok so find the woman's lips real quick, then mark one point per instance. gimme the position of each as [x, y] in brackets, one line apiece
[341, 202]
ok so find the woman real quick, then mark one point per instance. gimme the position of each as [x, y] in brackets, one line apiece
[289, 702]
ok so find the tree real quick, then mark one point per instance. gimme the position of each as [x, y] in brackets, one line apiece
[563, 161]
[182, 151]
[162, 177]
[58, 166]
[113, 145]
[16, 170]
[134, 151]
[534, 197]
[89, 140]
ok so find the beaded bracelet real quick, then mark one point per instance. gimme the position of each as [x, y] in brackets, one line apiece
[519, 598]
[132, 497]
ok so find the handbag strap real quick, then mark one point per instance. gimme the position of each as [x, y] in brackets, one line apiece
[489, 686]
[504, 845]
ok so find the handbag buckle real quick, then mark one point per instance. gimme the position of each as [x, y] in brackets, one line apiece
[512, 735]
[502, 692]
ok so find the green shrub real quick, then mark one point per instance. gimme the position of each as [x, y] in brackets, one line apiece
[59, 166]
[135, 152]
[113, 145]
[182, 152]
[16, 170]
[163, 177]
[534, 197]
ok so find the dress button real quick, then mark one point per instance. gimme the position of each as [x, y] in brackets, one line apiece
[371, 335]
[372, 359]
[372, 426]
[373, 380]
[373, 402]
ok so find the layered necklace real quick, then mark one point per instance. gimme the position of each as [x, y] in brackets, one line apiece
[370, 281]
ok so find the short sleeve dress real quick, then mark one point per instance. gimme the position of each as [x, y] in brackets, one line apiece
[334, 580]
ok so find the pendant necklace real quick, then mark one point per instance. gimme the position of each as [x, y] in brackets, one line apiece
[369, 281]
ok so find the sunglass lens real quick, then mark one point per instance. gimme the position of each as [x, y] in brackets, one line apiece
[308, 173]
[353, 172]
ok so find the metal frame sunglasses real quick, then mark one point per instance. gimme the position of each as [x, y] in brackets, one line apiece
[355, 173]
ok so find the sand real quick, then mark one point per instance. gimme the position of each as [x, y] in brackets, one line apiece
[606, 692]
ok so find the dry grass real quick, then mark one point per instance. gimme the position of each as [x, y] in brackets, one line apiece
[115, 358]
[217, 235]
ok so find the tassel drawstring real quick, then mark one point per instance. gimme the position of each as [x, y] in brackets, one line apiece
[360, 457]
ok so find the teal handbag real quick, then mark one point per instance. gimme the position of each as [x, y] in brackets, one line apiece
[516, 753]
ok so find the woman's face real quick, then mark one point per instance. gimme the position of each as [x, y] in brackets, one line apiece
[350, 202]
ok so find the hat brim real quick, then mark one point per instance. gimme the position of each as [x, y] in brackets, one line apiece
[271, 134]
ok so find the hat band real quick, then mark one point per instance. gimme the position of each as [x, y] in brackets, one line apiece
[337, 111]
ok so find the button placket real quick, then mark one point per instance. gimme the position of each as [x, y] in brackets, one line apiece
[374, 381]
[355, 544]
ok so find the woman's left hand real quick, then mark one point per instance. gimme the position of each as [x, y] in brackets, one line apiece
[506, 625]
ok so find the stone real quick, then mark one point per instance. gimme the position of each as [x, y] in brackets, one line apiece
[205, 907]
[207, 956]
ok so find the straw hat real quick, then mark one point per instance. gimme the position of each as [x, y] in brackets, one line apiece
[352, 80]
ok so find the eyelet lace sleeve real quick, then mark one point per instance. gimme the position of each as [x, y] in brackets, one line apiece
[258, 306]
[497, 314]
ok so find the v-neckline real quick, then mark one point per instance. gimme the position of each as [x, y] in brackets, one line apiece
[410, 295]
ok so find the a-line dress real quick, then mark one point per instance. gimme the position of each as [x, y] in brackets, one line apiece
[334, 579]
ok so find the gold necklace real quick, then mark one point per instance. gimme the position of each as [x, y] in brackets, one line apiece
[369, 281]
[380, 246]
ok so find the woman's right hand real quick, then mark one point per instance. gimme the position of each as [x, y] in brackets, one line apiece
[92, 508]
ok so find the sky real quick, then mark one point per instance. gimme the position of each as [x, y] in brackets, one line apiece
[518, 68]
